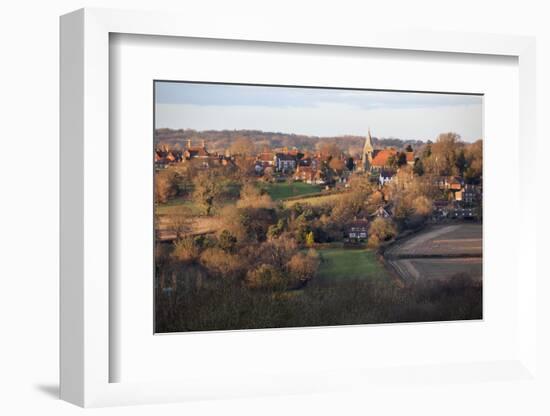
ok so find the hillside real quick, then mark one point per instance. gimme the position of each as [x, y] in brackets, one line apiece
[218, 141]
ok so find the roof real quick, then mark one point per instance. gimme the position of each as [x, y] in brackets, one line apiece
[386, 173]
[381, 157]
[285, 156]
[197, 151]
[358, 224]
[265, 156]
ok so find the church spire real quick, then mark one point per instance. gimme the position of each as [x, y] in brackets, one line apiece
[368, 148]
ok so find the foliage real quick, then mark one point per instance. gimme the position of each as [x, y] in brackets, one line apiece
[227, 241]
[207, 188]
[380, 230]
[165, 186]
[303, 267]
[266, 276]
[222, 263]
[186, 250]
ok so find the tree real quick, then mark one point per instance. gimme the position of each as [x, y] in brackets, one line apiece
[310, 239]
[460, 161]
[330, 150]
[337, 165]
[207, 190]
[409, 148]
[443, 154]
[265, 276]
[422, 205]
[186, 250]
[252, 196]
[165, 185]
[381, 229]
[418, 168]
[474, 160]
[303, 267]
[227, 241]
[276, 252]
[180, 221]
[401, 159]
[222, 263]
[350, 164]
[242, 146]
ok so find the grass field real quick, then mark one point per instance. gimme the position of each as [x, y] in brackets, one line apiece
[177, 206]
[283, 190]
[342, 263]
[314, 201]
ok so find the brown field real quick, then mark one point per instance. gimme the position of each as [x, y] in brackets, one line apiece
[444, 240]
[439, 252]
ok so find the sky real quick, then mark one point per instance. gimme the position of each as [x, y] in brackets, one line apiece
[317, 112]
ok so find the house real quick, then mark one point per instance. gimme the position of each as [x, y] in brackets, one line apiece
[385, 176]
[441, 209]
[374, 160]
[386, 158]
[164, 157]
[192, 152]
[382, 212]
[468, 194]
[266, 158]
[285, 162]
[357, 230]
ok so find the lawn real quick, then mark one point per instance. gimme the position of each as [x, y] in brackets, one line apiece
[177, 206]
[284, 190]
[343, 263]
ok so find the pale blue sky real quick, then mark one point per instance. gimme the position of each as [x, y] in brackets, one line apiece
[319, 112]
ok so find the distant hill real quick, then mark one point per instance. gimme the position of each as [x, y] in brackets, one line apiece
[220, 140]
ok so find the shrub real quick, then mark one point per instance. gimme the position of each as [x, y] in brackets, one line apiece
[186, 250]
[265, 277]
[303, 267]
[221, 263]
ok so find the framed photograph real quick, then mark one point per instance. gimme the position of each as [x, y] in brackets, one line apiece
[285, 213]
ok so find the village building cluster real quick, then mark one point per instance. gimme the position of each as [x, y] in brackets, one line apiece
[459, 200]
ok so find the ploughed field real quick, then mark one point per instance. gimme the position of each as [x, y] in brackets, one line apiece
[439, 252]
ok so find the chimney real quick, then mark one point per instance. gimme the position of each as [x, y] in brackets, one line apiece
[203, 144]
[188, 143]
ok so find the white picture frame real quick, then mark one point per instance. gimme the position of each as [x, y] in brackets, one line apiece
[85, 217]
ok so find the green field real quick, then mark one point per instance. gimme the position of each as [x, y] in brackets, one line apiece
[342, 263]
[284, 190]
[178, 206]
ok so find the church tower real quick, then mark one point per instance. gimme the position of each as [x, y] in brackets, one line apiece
[367, 153]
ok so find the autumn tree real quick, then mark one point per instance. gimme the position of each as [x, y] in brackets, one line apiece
[186, 250]
[242, 146]
[222, 263]
[165, 185]
[443, 155]
[350, 164]
[337, 165]
[180, 221]
[303, 267]
[380, 230]
[474, 161]
[266, 276]
[253, 196]
[329, 150]
[227, 241]
[207, 189]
